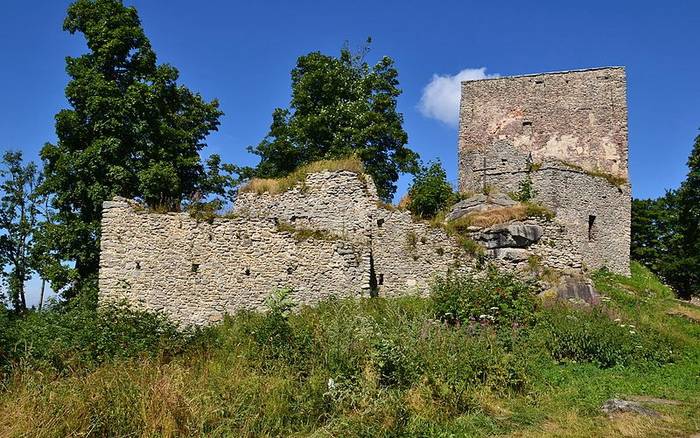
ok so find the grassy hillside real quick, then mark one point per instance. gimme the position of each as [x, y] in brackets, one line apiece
[482, 357]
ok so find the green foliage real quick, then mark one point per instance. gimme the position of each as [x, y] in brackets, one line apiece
[665, 234]
[498, 298]
[75, 336]
[376, 367]
[20, 213]
[526, 192]
[430, 192]
[132, 131]
[340, 107]
[592, 336]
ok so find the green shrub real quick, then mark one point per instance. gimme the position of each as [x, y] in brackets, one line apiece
[498, 298]
[430, 191]
[591, 336]
[66, 337]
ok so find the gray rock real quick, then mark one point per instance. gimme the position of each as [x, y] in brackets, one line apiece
[614, 406]
[512, 235]
[515, 255]
[573, 289]
[479, 203]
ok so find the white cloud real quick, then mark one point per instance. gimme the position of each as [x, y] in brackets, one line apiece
[440, 98]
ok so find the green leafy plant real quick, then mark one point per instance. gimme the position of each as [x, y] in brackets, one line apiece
[430, 192]
[497, 298]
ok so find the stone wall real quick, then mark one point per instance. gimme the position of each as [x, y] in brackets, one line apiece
[328, 236]
[575, 116]
[196, 271]
[565, 133]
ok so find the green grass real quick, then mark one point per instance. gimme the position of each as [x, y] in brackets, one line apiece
[384, 367]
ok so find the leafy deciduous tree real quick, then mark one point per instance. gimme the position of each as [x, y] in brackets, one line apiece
[339, 107]
[666, 231]
[19, 217]
[430, 191]
[132, 131]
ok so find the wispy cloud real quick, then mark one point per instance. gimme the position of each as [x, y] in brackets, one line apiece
[440, 98]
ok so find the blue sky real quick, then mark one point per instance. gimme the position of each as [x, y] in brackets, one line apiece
[242, 53]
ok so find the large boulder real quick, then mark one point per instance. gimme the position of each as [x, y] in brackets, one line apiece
[479, 203]
[510, 235]
[577, 290]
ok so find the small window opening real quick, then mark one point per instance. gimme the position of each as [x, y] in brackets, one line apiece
[592, 229]
[380, 222]
[195, 267]
[527, 123]
[539, 81]
[504, 160]
[138, 265]
[380, 280]
[247, 271]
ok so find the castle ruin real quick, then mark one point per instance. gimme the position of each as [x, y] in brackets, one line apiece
[564, 134]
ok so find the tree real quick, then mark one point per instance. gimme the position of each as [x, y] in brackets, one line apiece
[430, 191]
[19, 217]
[686, 267]
[132, 131]
[339, 107]
[666, 232]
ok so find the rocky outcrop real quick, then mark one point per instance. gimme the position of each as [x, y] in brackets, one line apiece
[510, 235]
[616, 406]
[479, 203]
[577, 290]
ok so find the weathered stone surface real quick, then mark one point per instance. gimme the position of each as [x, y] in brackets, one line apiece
[510, 235]
[617, 406]
[565, 134]
[196, 272]
[515, 255]
[479, 203]
[577, 290]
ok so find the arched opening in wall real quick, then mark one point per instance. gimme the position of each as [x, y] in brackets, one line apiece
[592, 228]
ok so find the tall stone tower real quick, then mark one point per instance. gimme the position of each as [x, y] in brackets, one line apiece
[564, 135]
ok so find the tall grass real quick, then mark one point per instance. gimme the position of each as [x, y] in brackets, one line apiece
[280, 185]
[376, 367]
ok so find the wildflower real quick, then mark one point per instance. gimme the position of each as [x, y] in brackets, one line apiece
[617, 320]
[331, 384]
[632, 332]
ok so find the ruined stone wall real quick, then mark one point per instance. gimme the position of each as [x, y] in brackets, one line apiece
[341, 202]
[577, 116]
[565, 133]
[197, 271]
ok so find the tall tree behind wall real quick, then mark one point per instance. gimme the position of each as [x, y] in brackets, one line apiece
[666, 231]
[340, 106]
[132, 131]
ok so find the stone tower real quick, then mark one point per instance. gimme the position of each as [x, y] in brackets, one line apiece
[564, 135]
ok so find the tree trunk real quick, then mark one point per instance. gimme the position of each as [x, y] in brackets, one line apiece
[41, 295]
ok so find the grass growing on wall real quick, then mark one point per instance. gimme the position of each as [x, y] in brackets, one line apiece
[482, 357]
[280, 185]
